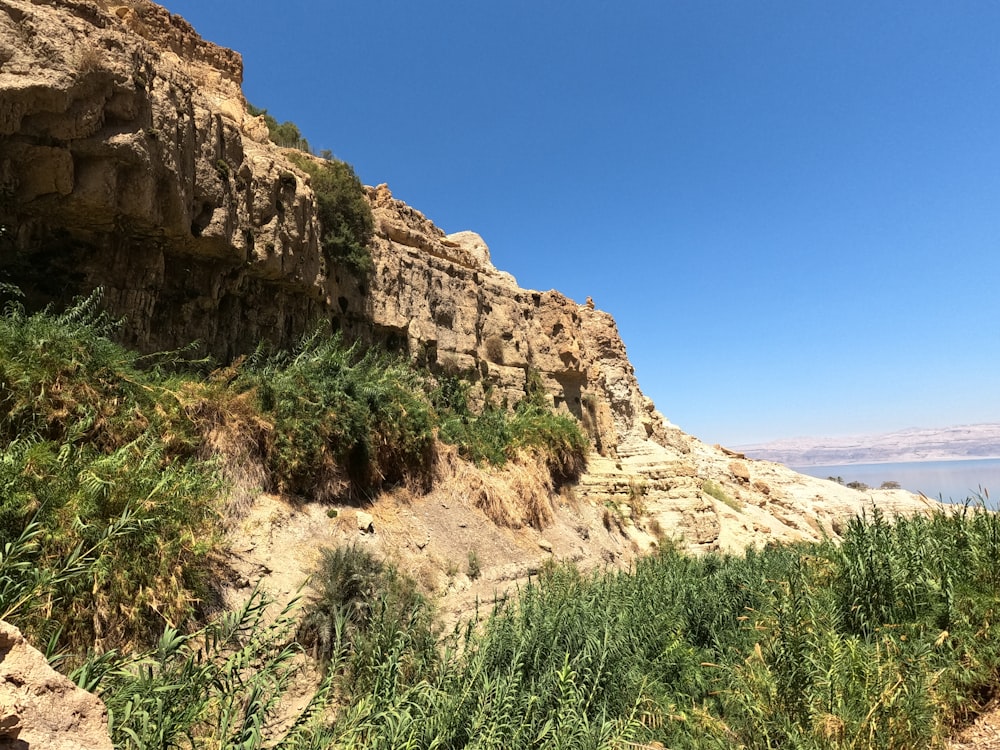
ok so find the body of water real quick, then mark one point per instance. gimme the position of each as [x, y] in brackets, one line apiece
[949, 480]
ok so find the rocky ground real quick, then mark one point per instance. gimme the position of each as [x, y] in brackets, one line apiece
[982, 734]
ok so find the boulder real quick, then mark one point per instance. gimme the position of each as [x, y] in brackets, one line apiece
[40, 708]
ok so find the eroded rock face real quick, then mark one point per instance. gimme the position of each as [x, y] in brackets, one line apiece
[41, 708]
[128, 160]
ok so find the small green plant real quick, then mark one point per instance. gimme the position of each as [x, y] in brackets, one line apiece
[712, 489]
[473, 570]
[363, 612]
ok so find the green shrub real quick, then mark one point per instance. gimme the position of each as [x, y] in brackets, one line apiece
[93, 448]
[341, 414]
[284, 134]
[344, 213]
[346, 583]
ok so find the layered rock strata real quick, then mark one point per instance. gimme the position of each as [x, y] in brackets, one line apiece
[129, 161]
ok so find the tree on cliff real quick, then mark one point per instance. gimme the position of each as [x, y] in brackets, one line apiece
[344, 214]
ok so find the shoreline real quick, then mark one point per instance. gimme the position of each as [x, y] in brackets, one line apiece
[881, 462]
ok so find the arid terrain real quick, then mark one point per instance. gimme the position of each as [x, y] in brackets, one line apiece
[130, 161]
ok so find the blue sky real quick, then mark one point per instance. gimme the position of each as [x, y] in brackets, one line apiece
[792, 209]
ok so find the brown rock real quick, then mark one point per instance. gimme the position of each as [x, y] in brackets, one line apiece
[40, 707]
[740, 471]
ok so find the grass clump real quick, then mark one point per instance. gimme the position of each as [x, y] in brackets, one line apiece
[100, 490]
[362, 612]
[342, 417]
[344, 213]
[496, 434]
[712, 489]
[474, 568]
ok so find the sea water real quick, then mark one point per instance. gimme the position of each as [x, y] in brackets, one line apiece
[953, 481]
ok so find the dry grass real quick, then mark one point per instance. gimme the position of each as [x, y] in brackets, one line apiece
[235, 435]
[494, 349]
[518, 494]
[87, 58]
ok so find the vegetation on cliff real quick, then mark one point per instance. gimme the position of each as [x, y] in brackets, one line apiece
[495, 434]
[343, 211]
[285, 134]
[110, 503]
[111, 463]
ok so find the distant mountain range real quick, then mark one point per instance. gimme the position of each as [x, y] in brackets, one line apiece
[913, 444]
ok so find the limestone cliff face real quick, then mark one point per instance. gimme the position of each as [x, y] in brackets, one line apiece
[128, 160]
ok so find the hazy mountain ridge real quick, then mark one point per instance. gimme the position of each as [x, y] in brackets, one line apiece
[958, 442]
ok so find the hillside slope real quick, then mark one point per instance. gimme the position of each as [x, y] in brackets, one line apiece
[129, 161]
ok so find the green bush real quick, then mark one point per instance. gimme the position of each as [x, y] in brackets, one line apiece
[341, 414]
[93, 448]
[344, 213]
[284, 134]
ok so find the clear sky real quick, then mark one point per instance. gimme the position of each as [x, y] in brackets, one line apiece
[792, 209]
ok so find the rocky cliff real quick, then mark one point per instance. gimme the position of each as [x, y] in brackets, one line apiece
[129, 160]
